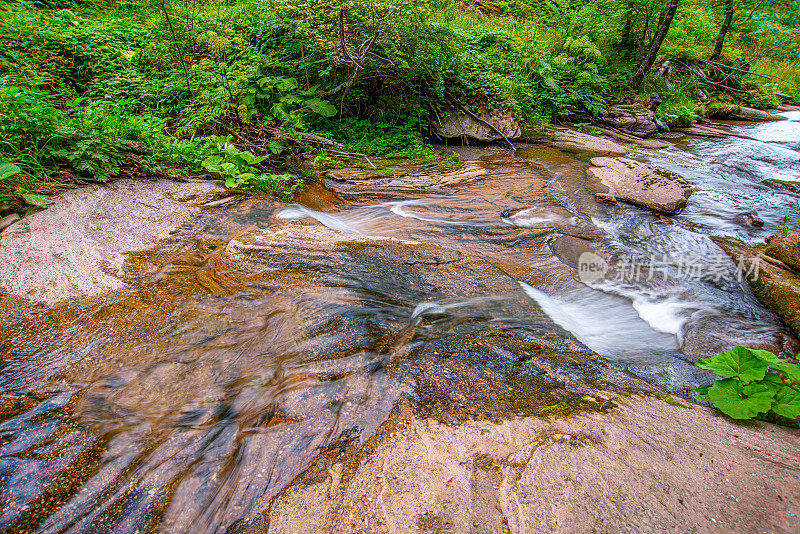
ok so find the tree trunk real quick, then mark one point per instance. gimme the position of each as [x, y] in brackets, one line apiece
[655, 46]
[626, 42]
[723, 31]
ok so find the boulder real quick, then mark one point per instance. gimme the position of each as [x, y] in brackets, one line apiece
[786, 248]
[754, 220]
[457, 124]
[638, 119]
[772, 282]
[637, 183]
[574, 141]
[136, 147]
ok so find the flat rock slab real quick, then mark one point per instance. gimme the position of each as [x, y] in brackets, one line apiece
[574, 141]
[704, 131]
[77, 246]
[631, 139]
[649, 465]
[359, 184]
[743, 113]
[639, 184]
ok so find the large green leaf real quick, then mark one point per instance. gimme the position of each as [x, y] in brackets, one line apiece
[40, 201]
[773, 381]
[321, 107]
[702, 393]
[740, 401]
[8, 169]
[792, 370]
[738, 362]
[212, 161]
[787, 403]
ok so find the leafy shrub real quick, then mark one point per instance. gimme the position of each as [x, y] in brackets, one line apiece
[36, 135]
[238, 169]
[681, 114]
[754, 383]
[789, 222]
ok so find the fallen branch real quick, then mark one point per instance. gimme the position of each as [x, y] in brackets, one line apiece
[352, 155]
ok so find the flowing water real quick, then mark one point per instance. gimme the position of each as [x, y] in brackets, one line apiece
[184, 403]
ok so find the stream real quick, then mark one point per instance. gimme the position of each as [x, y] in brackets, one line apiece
[186, 402]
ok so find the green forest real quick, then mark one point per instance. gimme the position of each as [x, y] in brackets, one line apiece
[244, 90]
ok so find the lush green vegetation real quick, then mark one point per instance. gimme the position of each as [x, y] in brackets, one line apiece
[81, 81]
[754, 383]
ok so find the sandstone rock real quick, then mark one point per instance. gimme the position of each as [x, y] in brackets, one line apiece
[457, 124]
[704, 131]
[786, 248]
[774, 284]
[638, 141]
[136, 147]
[731, 111]
[605, 197]
[8, 220]
[571, 140]
[590, 472]
[76, 247]
[639, 184]
[632, 119]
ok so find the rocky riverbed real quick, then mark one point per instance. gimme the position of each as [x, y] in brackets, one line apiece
[403, 350]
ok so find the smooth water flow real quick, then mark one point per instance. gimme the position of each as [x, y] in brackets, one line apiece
[187, 402]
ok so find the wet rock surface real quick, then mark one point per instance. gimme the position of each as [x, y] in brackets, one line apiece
[640, 184]
[775, 284]
[404, 349]
[571, 140]
[785, 248]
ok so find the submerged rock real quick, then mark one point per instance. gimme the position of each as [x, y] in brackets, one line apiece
[640, 184]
